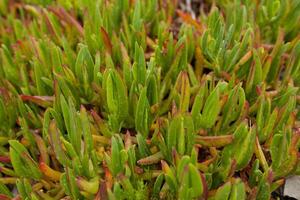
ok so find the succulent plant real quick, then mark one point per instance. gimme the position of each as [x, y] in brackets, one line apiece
[148, 99]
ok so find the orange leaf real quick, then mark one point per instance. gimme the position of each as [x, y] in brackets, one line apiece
[189, 20]
[106, 40]
[49, 172]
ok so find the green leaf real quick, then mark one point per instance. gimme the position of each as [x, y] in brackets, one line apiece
[142, 115]
[116, 164]
[184, 92]
[223, 192]
[22, 162]
[196, 181]
[139, 66]
[84, 60]
[246, 149]
[88, 140]
[54, 136]
[238, 190]
[117, 99]
[211, 109]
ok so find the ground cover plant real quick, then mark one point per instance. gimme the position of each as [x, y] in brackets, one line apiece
[148, 99]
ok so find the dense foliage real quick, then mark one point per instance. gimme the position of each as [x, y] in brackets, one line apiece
[146, 99]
